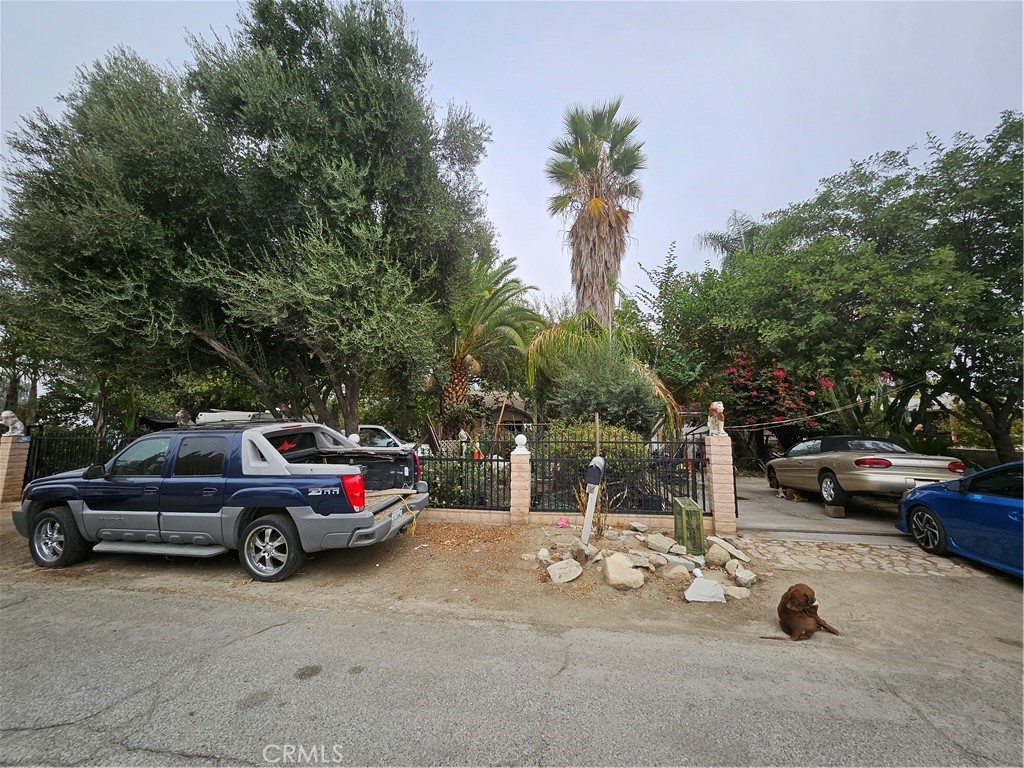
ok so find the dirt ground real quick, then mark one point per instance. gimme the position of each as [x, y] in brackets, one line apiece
[464, 571]
[453, 569]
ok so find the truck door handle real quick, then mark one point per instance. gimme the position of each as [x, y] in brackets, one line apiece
[209, 491]
[151, 490]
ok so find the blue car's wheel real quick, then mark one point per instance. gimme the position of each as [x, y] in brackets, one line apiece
[927, 530]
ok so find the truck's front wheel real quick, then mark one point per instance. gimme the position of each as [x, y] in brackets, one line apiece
[55, 541]
[270, 549]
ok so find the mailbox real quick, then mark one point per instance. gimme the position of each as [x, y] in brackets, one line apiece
[595, 472]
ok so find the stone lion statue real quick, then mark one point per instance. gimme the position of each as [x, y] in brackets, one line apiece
[13, 424]
[716, 419]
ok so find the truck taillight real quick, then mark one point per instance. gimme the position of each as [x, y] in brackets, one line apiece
[355, 491]
[956, 466]
[419, 470]
[873, 463]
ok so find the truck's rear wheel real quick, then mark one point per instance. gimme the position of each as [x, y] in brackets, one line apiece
[270, 549]
[55, 541]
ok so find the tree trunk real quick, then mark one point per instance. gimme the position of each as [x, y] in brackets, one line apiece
[13, 391]
[996, 419]
[99, 416]
[264, 390]
[456, 391]
[323, 413]
[346, 389]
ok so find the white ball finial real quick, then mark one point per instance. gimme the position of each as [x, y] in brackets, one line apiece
[520, 444]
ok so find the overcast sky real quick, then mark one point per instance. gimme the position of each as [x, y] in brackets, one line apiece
[742, 105]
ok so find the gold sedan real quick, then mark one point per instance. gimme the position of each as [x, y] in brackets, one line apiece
[839, 466]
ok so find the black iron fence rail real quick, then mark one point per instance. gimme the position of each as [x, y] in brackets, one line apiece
[640, 478]
[50, 454]
[476, 475]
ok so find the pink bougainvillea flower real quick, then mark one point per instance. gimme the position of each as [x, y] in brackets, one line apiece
[812, 393]
[779, 373]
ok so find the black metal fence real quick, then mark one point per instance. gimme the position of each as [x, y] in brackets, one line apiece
[471, 476]
[640, 478]
[50, 454]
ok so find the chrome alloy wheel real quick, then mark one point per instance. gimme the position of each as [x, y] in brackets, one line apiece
[924, 529]
[828, 488]
[266, 549]
[49, 540]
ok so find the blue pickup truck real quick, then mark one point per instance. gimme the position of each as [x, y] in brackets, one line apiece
[273, 491]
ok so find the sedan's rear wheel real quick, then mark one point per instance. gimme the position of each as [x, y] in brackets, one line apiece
[927, 530]
[831, 491]
[773, 479]
[271, 550]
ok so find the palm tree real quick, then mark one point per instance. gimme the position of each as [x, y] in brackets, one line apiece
[582, 335]
[740, 230]
[490, 325]
[594, 168]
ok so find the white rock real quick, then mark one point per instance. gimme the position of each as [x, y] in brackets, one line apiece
[737, 592]
[683, 561]
[660, 543]
[745, 578]
[529, 558]
[705, 591]
[620, 573]
[583, 552]
[546, 558]
[717, 556]
[641, 537]
[677, 549]
[564, 571]
[698, 559]
[600, 556]
[610, 535]
[639, 561]
[638, 526]
[657, 561]
[731, 566]
[676, 573]
[728, 548]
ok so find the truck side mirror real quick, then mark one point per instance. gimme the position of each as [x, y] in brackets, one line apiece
[94, 472]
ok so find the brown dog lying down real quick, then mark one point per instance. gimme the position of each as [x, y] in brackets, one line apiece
[798, 614]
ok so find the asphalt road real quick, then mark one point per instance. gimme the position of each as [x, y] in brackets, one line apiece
[122, 667]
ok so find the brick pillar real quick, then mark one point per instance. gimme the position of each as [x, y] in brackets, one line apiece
[13, 460]
[721, 483]
[520, 479]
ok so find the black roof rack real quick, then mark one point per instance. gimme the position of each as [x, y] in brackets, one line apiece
[244, 423]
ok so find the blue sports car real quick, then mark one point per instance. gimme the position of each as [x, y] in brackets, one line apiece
[978, 517]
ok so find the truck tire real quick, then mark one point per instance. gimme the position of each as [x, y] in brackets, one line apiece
[55, 541]
[270, 549]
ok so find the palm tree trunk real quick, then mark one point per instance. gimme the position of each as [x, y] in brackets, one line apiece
[456, 391]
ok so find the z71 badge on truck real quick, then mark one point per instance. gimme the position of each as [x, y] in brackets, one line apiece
[272, 491]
